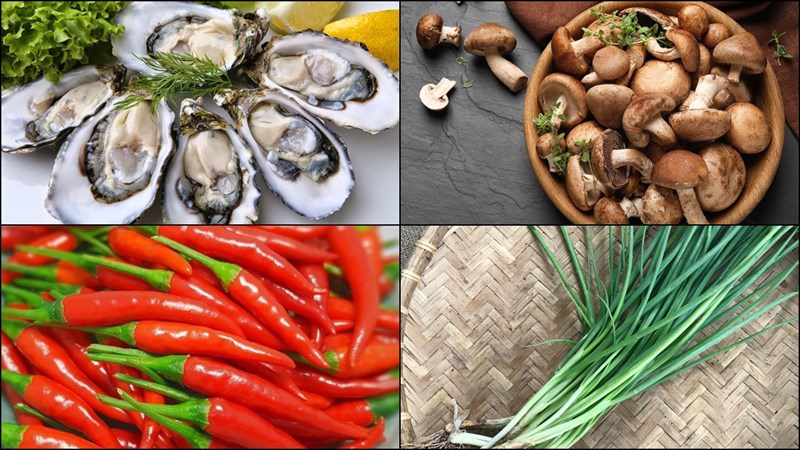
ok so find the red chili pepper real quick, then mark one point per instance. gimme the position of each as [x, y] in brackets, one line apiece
[217, 242]
[217, 379]
[204, 273]
[297, 232]
[316, 274]
[375, 437]
[358, 272]
[13, 236]
[300, 305]
[285, 246]
[69, 273]
[130, 244]
[37, 436]
[317, 401]
[367, 411]
[151, 428]
[314, 381]
[341, 309]
[59, 403]
[248, 290]
[381, 354]
[59, 240]
[115, 308]
[371, 242]
[280, 376]
[13, 361]
[127, 438]
[52, 360]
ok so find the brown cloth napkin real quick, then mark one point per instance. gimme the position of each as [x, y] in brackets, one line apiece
[541, 19]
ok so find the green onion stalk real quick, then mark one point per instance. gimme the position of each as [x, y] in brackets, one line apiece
[666, 299]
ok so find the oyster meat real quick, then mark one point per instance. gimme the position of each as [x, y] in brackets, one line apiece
[109, 169]
[304, 163]
[226, 37]
[334, 79]
[212, 179]
[42, 112]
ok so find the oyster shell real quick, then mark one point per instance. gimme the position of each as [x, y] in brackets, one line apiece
[109, 169]
[304, 163]
[224, 36]
[212, 179]
[42, 112]
[333, 79]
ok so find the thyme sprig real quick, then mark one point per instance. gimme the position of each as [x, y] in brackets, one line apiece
[544, 121]
[624, 30]
[780, 49]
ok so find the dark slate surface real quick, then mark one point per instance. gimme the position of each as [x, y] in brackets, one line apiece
[468, 163]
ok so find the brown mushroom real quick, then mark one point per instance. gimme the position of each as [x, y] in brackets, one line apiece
[708, 86]
[607, 103]
[693, 18]
[431, 32]
[700, 125]
[716, 33]
[749, 131]
[434, 96]
[662, 77]
[583, 188]
[661, 206]
[570, 55]
[609, 157]
[609, 211]
[493, 41]
[684, 47]
[743, 53]
[636, 55]
[567, 96]
[725, 180]
[646, 14]
[642, 120]
[610, 63]
[704, 66]
[544, 148]
[582, 136]
[682, 170]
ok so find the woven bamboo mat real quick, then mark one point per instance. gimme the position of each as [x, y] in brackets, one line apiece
[473, 297]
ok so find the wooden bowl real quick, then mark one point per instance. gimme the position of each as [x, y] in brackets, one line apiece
[761, 167]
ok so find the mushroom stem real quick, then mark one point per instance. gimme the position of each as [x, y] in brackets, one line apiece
[442, 88]
[632, 208]
[708, 86]
[629, 157]
[451, 35]
[660, 131]
[734, 73]
[559, 107]
[512, 76]
[691, 207]
[586, 45]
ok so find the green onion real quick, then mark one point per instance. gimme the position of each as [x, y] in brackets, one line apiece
[664, 301]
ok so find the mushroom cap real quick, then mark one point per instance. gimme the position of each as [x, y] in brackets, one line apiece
[557, 85]
[564, 55]
[749, 131]
[544, 144]
[490, 38]
[717, 32]
[693, 18]
[687, 47]
[725, 180]
[741, 49]
[608, 211]
[640, 111]
[602, 165]
[662, 77]
[429, 30]
[660, 205]
[653, 152]
[610, 62]
[700, 125]
[586, 132]
[679, 169]
[576, 187]
[704, 64]
[607, 103]
[636, 53]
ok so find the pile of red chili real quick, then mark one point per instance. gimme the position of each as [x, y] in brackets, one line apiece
[198, 337]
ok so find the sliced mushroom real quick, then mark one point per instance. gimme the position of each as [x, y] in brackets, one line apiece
[431, 32]
[749, 131]
[434, 96]
[662, 77]
[493, 41]
[609, 211]
[693, 18]
[700, 125]
[642, 120]
[607, 103]
[682, 170]
[716, 33]
[567, 95]
[582, 187]
[570, 55]
[611, 160]
[583, 136]
[743, 53]
[684, 47]
[661, 206]
[725, 180]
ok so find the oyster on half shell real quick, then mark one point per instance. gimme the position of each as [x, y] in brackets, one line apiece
[333, 79]
[304, 163]
[226, 37]
[42, 112]
[212, 179]
[109, 169]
